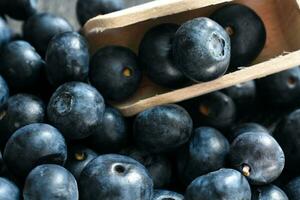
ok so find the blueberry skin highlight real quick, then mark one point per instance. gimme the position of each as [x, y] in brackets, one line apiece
[244, 128]
[41, 28]
[76, 109]
[21, 65]
[114, 71]
[18, 111]
[206, 152]
[162, 128]
[78, 158]
[87, 9]
[115, 177]
[158, 166]
[8, 190]
[5, 32]
[50, 182]
[247, 33]
[221, 184]
[112, 134]
[37, 144]
[292, 189]
[4, 91]
[258, 156]
[155, 56]
[21, 9]
[166, 195]
[268, 192]
[201, 49]
[67, 58]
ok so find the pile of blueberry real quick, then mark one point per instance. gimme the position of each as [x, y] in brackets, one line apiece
[61, 140]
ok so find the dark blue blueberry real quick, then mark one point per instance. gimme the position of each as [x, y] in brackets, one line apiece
[67, 58]
[292, 189]
[115, 177]
[5, 32]
[247, 32]
[281, 89]
[258, 156]
[20, 65]
[224, 184]
[206, 152]
[41, 28]
[87, 9]
[112, 134]
[158, 166]
[115, 72]
[201, 49]
[8, 190]
[268, 192]
[155, 56]
[18, 111]
[50, 182]
[78, 157]
[20, 9]
[4, 91]
[33, 145]
[166, 195]
[244, 128]
[76, 109]
[162, 128]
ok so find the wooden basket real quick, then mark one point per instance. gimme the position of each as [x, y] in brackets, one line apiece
[127, 27]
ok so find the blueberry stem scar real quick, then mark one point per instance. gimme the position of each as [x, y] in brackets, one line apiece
[246, 170]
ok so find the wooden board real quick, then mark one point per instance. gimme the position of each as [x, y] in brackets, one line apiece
[127, 27]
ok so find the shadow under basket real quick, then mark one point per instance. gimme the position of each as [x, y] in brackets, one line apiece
[127, 28]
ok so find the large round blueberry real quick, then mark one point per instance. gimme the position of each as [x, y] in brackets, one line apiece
[5, 32]
[76, 109]
[221, 184]
[155, 56]
[162, 128]
[158, 166]
[21, 9]
[78, 157]
[292, 189]
[166, 195]
[4, 91]
[285, 84]
[112, 134]
[207, 152]
[41, 28]
[18, 111]
[37, 144]
[8, 190]
[244, 128]
[115, 177]
[21, 65]
[247, 32]
[87, 9]
[67, 58]
[201, 49]
[268, 192]
[50, 182]
[258, 156]
[115, 72]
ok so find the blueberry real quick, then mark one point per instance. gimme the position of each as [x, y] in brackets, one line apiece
[286, 84]
[78, 157]
[221, 184]
[76, 109]
[166, 195]
[50, 182]
[268, 192]
[18, 111]
[158, 166]
[87, 9]
[21, 9]
[8, 190]
[67, 58]
[115, 177]
[162, 128]
[115, 72]
[4, 91]
[112, 134]
[292, 189]
[247, 32]
[155, 56]
[258, 156]
[21, 65]
[41, 28]
[5, 32]
[33, 145]
[206, 152]
[201, 49]
[244, 128]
